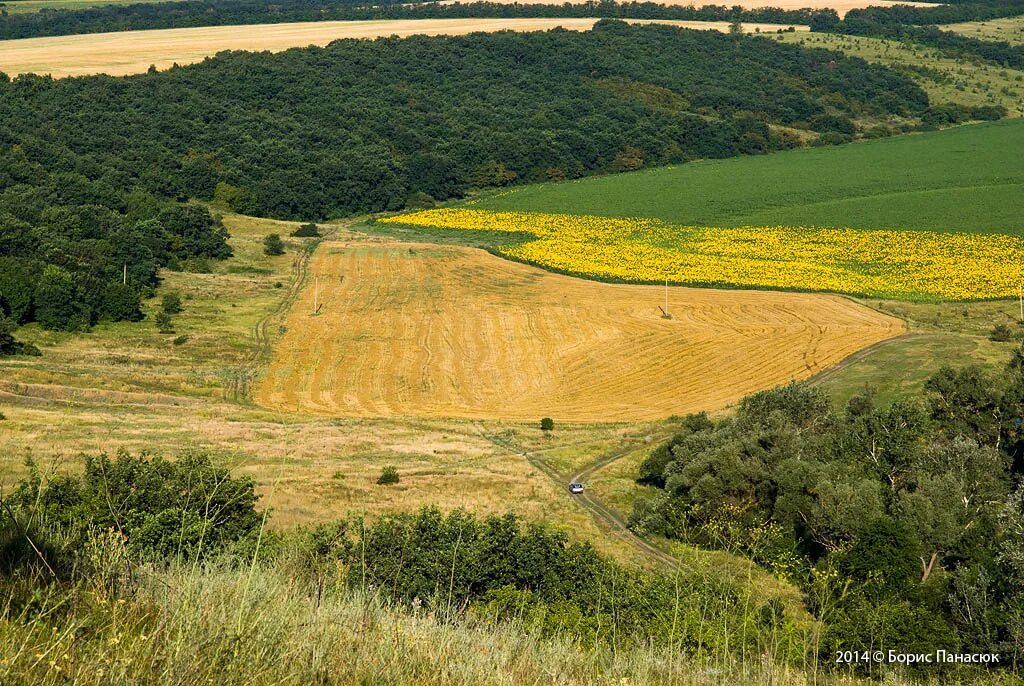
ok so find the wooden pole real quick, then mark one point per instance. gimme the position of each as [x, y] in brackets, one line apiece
[124, 277]
[316, 294]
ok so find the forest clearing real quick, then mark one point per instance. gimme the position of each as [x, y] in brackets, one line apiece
[410, 330]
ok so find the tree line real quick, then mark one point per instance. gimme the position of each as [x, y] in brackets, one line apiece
[191, 13]
[902, 523]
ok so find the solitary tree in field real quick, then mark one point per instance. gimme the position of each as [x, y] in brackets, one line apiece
[547, 424]
[272, 245]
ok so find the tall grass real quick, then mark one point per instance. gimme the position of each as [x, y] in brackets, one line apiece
[181, 626]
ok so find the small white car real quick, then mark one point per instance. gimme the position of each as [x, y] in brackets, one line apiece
[575, 488]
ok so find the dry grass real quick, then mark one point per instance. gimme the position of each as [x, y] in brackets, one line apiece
[133, 52]
[1009, 29]
[410, 330]
[267, 626]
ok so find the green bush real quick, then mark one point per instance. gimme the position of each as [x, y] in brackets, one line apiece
[547, 424]
[388, 476]
[1000, 333]
[272, 245]
[309, 230]
[189, 508]
[171, 302]
[163, 322]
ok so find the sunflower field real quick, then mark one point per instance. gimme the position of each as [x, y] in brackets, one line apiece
[880, 263]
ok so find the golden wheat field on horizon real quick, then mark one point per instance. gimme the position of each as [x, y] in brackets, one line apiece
[133, 52]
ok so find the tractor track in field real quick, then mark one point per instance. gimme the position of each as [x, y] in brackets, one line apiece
[260, 331]
[826, 374]
[604, 515]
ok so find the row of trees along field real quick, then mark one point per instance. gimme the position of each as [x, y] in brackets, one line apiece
[188, 13]
[903, 524]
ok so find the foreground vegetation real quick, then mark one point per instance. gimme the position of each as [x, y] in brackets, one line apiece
[888, 517]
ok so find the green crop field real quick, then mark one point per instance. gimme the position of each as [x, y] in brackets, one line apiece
[963, 179]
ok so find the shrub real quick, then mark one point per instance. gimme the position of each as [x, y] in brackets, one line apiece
[1000, 333]
[171, 303]
[547, 424]
[185, 508]
[164, 323]
[388, 476]
[272, 245]
[181, 340]
[306, 231]
[420, 201]
[9, 345]
[196, 265]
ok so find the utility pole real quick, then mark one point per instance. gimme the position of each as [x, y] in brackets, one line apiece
[124, 277]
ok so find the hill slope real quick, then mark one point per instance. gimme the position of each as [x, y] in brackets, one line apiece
[965, 179]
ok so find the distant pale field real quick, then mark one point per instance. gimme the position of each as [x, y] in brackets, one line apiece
[418, 331]
[29, 6]
[132, 52]
[1010, 29]
[840, 6]
[946, 79]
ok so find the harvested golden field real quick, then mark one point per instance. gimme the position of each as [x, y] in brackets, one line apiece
[432, 331]
[132, 52]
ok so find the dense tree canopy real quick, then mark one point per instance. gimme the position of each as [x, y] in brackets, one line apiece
[96, 172]
[887, 516]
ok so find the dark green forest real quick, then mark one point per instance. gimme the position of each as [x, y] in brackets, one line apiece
[97, 172]
[903, 524]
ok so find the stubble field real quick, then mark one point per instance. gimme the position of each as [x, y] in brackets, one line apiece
[443, 331]
[132, 52]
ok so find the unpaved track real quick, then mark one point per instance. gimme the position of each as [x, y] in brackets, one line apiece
[605, 517]
[132, 52]
[415, 330]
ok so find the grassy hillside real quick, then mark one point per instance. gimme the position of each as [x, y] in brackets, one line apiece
[967, 178]
[946, 79]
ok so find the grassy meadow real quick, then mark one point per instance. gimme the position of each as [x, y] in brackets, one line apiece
[946, 79]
